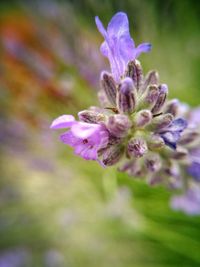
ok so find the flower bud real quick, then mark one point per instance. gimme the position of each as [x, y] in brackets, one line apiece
[153, 163]
[162, 121]
[155, 142]
[112, 155]
[109, 87]
[137, 147]
[143, 118]
[180, 153]
[172, 107]
[90, 116]
[149, 97]
[161, 98]
[189, 137]
[134, 71]
[126, 100]
[152, 77]
[118, 125]
[132, 168]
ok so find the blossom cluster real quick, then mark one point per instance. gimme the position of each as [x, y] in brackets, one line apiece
[137, 128]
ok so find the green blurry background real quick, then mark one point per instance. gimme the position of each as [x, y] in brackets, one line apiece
[56, 209]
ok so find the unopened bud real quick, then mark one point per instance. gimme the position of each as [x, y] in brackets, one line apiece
[132, 168]
[90, 116]
[126, 100]
[149, 97]
[155, 142]
[134, 71]
[109, 87]
[162, 121]
[189, 137]
[112, 155]
[118, 125]
[153, 163]
[180, 153]
[137, 147]
[161, 98]
[172, 107]
[143, 118]
[152, 77]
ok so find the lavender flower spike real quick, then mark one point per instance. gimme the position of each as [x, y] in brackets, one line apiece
[86, 138]
[118, 46]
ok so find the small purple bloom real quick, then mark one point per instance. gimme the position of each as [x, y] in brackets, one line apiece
[172, 133]
[189, 203]
[118, 46]
[85, 138]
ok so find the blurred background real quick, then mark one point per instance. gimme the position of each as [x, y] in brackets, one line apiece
[57, 210]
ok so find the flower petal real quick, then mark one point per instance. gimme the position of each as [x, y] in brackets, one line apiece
[64, 121]
[84, 130]
[142, 48]
[100, 27]
[69, 139]
[177, 125]
[171, 138]
[118, 26]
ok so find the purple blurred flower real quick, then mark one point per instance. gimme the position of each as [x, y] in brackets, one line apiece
[118, 46]
[172, 133]
[85, 138]
[189, 203]
[194, 117]
[194, 168]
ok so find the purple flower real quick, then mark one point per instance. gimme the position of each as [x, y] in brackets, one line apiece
[189, 202]
[85, 138]
[118, 46]
[172, 133]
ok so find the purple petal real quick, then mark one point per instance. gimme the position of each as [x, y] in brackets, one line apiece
[118, 26]
[142, 48]
[64, 121]
[100, 27]
[177, 125]
[84, 130]
[127, 48]
[171, 138]
[69, 139]
[194, 170]
[86, 152]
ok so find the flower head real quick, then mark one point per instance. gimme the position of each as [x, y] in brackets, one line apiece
[118, 46]
[137, 127]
